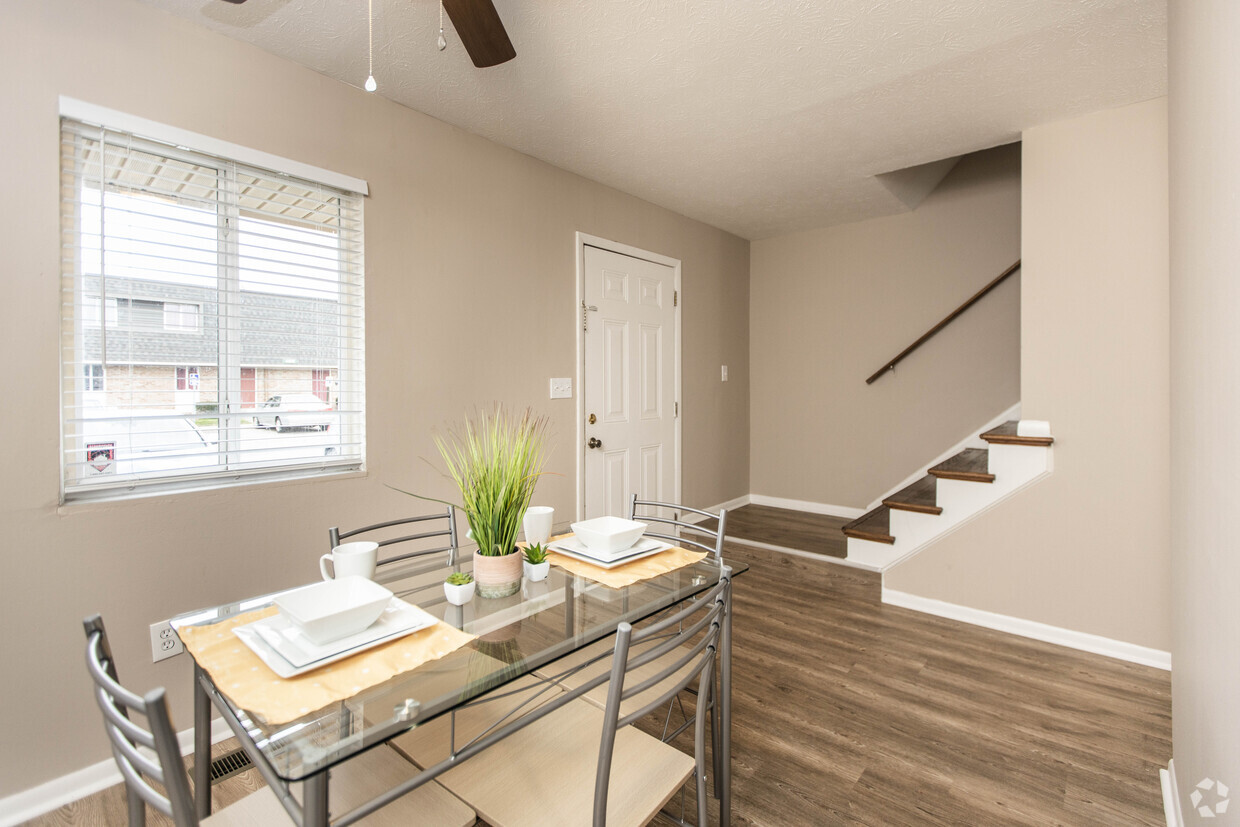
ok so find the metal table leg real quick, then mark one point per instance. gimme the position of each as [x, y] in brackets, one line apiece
[314, 801]
[725, 712]
[202, 747]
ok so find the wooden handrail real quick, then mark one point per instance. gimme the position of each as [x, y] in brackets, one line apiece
[950, 316]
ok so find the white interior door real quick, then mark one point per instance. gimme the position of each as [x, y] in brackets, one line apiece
[629, 385]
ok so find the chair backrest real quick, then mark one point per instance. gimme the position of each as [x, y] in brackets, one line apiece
[442, 524]
[127, 738]
[651, 511]
[683, 646]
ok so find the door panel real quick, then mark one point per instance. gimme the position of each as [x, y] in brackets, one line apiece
[629, 381]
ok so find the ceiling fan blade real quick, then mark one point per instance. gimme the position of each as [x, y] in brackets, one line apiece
[481, 31]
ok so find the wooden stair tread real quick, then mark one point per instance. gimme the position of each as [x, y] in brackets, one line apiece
[921, 496]
[1006, 434]
[876, 526]
[970, 465]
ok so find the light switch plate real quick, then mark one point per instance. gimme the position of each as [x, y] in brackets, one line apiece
[723, 373]
[562, 388]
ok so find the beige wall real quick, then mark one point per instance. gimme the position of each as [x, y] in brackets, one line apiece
[1204, 121]
[1088, 547]
[470, 299]
[830, 307]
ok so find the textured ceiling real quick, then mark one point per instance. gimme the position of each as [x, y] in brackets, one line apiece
[757, 116]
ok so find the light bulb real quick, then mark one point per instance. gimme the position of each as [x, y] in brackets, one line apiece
[370, 84]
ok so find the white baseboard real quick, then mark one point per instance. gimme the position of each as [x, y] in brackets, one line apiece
[1082, 641]
[973, 440]
[58, 792]
[1171, 796]
[805, 505]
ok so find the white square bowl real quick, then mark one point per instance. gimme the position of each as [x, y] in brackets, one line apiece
[607, 535]
[334, 609]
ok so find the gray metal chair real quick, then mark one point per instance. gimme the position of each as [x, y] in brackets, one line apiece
[649, 511]
[127, 738]
[448, 530]
[353, 782]
[568, 762]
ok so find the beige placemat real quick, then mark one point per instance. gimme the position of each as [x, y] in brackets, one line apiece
[243, 677]
[629, 573]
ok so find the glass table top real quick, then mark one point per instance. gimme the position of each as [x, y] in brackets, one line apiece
[516, 635]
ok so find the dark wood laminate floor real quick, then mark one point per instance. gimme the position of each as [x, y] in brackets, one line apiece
[847, 711]
[816, 533]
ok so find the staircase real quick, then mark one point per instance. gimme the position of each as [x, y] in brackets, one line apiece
[949, 494]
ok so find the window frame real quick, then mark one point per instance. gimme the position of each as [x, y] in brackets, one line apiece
[174, 143]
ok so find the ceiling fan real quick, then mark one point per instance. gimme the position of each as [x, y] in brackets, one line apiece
[481, 31]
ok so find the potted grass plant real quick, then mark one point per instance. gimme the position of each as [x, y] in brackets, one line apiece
[495, 459]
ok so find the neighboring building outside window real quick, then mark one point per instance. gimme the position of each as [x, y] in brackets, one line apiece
[205, 285]
[92, 377]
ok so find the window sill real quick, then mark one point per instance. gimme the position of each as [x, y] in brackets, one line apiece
[72, 501]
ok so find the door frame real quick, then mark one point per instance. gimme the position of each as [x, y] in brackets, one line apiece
[582, 241]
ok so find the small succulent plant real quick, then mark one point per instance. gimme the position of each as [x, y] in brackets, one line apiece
[460, 578]
[535, 554]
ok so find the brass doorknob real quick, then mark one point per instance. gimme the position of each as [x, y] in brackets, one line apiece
[595, 443]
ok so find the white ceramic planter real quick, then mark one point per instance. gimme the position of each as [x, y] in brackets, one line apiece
[459, 595]
[536, 572]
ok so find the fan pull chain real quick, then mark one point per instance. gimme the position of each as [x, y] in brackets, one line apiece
[443, 44]
[370, 23]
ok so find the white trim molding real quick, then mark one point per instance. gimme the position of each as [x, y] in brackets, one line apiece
[1082, 641]
[51, 795]
[1171, 796]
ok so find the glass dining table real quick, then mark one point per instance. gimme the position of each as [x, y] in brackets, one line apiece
[514, 637]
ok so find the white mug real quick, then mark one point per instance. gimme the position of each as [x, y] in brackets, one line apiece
[351, 559]
[537, 524]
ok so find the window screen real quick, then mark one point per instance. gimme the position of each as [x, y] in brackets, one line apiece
[224, 305]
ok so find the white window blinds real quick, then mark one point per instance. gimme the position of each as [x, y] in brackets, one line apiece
[224, 305]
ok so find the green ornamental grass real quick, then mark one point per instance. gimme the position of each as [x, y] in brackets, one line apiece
[495, 460]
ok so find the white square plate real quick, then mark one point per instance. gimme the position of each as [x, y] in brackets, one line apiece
[572, 547]
[288, 652]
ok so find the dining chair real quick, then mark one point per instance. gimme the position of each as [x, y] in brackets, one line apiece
[700, 533]
[575, 764]
[448, 530]
[154, 753]
[579, 667]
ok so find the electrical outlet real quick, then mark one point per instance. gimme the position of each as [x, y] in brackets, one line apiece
[164, 641]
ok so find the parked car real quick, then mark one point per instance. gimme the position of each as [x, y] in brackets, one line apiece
[294, 410]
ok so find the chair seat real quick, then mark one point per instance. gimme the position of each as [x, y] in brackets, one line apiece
[544, 774]
[595, 660]
[355, 782]
[431, 742]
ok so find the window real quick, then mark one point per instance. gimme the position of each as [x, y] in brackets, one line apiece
[190, 264]
[183, 317]
[188, 379]
[92, 377]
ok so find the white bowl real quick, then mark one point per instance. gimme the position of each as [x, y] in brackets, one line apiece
[607, 535]
[334, 609]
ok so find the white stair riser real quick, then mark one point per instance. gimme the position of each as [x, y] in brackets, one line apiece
[1014, 466]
